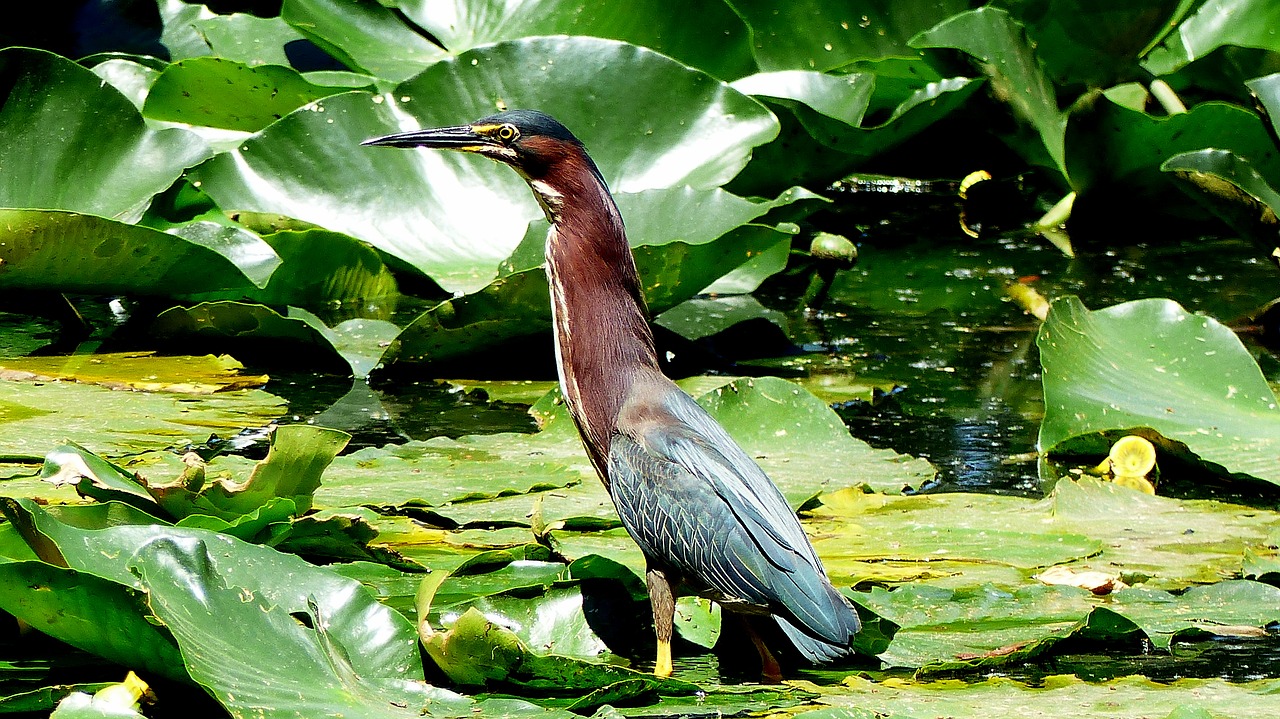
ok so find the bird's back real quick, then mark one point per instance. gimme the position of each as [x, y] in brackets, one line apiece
[695, 502]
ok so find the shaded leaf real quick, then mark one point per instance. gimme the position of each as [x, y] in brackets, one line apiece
[1007, 56]
[820, 36]
[364, 35]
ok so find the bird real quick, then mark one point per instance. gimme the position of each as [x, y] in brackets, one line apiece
[708, 520]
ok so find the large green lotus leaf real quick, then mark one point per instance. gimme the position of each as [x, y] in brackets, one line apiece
[708, 36]
[379, 642]
[552, 622]
[802, 444]
[297, 458]
[961, 540]
[72, 252]
[38, 417]
[233, 632]
[1163, 543]
[72, 142]
[1267, 90]
[421, 206]
[133, 79]
[364, 35]
[217, 92]
[1007, 56]
[1132, 697]
[706, 316]
[949, 539]
[1151, 364]
[940, 626]
[1217, 23]
[90, 613]
[1112, 147]
[840, 97]
[820, 35]
[682, 239]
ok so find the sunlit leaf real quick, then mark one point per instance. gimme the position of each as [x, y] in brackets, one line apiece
[38, 417]
[418, 206]
[1242, 23]
[136, 371]
[72, 142]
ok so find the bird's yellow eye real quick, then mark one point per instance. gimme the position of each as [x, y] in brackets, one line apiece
[507, 133]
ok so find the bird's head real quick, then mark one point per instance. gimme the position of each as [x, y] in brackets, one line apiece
[532, 142]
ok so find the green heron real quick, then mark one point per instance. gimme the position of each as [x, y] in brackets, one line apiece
[705, 515]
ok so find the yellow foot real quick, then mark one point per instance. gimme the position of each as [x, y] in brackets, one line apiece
[662, 666]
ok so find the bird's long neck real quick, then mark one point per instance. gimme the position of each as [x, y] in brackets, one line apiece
[602, 332]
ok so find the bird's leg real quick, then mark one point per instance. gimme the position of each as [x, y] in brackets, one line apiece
[664, 611]
[770, 671]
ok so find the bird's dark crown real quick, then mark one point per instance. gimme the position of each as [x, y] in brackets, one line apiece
[530, 123]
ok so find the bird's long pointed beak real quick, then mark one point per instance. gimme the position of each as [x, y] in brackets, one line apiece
[450, 138]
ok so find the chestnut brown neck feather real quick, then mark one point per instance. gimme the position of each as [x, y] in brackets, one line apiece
[596, 300]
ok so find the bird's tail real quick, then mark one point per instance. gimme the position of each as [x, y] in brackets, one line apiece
[831, 641]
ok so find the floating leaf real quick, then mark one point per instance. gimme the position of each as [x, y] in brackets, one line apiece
[136, 371]
[1151, 364]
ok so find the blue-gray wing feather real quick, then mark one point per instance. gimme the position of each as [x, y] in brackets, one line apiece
[695, 501]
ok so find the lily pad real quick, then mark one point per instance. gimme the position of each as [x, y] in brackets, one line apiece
[1131, 697]
[1111, 146]
[416, 205]
[1149, 364]
[38, 417]
[136, 371]
[72, 142]
[963, 540]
